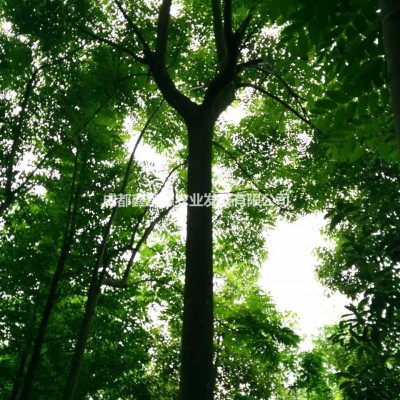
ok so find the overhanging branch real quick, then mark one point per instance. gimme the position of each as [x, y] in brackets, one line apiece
[279, 100]
[241, 31]
[143, 239]
[135, 29]
[114, 45]
[249, 177]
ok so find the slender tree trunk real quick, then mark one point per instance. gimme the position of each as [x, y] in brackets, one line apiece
[51, 300]
[19, 376]
[197, 336]
[391, 35]
[94, 291]
[77, 359]
[52, 296]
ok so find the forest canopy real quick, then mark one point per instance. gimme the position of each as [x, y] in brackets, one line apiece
[133, 206]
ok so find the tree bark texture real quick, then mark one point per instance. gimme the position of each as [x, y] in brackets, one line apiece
[197, 335]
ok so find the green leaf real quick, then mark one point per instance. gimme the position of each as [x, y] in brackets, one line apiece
[338, 96]
[326, 104]
[356, 154]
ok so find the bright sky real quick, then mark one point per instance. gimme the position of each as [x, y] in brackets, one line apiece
[288, 275]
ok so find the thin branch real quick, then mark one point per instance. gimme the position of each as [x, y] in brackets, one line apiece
[115, 209]
[114, 45]
[143, 239]
[250, 63]
[120, 283]
[279, 100]
[241, 31]
[219, 35]
[129, 76]
[132, 156]
[161, 188]
[271, 70]
[136, 31]
[123, 282]
[248, 176]
[107, 230]
[145, 210]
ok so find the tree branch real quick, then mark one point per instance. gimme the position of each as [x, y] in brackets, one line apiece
[219, 35]
[271, 70]
[162, 31]
[120, 283]
[114, 45]
[147, 51]
[228, 31]
[248, 176]
[241, 31]
[143, 239]
[132, 156]
[250, 63]
[141, 216]
[279, 100]
[177, 100]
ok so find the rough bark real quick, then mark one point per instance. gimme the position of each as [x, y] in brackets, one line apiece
[197, 336]
[391, 35]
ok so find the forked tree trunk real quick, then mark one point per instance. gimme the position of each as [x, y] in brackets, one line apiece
[197, 336]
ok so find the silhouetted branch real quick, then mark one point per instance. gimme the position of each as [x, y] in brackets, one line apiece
[228, 31]
[249, 177]
[279, 100]
[136, 31]
[241, 31]
[219, 34]
[114, 45]
[162, 31]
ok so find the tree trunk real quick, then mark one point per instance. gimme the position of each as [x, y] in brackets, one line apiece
[77, 359]
[19, 376]
[197, 336]
[51, 299]
[391, 35]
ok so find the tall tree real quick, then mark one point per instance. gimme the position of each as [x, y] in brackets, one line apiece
[391, 33]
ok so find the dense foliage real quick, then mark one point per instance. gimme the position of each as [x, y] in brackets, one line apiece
[93, 290]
